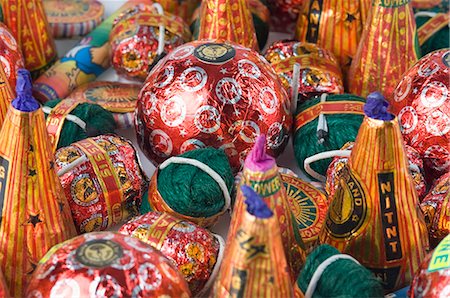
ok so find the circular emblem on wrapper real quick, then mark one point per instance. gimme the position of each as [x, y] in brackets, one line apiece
[214, 53]
[99, 253]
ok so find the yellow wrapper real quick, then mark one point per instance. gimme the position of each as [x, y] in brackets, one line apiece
[335, 25]
[6, 95]
[35, 212]
[374, 214]
[388, 48]
[228, 20]
[254, 263]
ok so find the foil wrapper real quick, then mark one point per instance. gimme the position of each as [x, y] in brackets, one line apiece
[28, 23]
[422, 104]
[436, 208]
[389, 47]
[134, 40]
[102, 180]
[11, 57]
[284, 14]
[106, 264]
[319, 68]
[195, 251]
[309, 207]
[374, 214]
[254, 263]
[432, 279]
[72, 18]
[415, 163]
[118, 98]
[342, 37]
[209, 93]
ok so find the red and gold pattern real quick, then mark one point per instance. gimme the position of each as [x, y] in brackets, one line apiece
[284, 14]
[134, 40]
[106, 264]
[424, 4]
[319, 69]
[335, 25]
[422, 104]
[207, 93]
[28, 22]
[4, 291]
[35, 212]
[254, 263]
[182, 8]
[431, 27]
[6, 95]
[436, 207]
[228, 20]
[374, 215]
[193, 249]
[387, 49]
[10, 56]
[432, 280]
[102, 180]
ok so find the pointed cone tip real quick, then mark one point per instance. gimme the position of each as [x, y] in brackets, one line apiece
[24, 101]
[376, 107]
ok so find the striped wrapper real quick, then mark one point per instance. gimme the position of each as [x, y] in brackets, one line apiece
[228, 20]
[35, 212]
[69, 30]
[270, 187]
[184, 8]
[6, 95]
[374, 215]
[335, 25]
[254, 263]
[388, 48]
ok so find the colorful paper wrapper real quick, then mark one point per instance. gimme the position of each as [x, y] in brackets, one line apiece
[374, 215]
[6, 95]
[82, 64]
[11, 57]
[254, 263]
[103, 181]
[106, 264]
[27, 21]
[184, 8]
[261, 173]
[387, 49]
[72, 18]
[229, 20]
[196, 251]
[35, 212]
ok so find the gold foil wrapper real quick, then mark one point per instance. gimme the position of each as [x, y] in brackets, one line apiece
[227, 20]
[254, 263]
[374, 214]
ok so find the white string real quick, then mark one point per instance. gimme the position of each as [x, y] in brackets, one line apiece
[320, 156]
[162, 30]
[425, 14]
[294, 87]
[70, 117]
[72, 165]
[215, 271]
[319, 271]
[205, 168]
[322, 123]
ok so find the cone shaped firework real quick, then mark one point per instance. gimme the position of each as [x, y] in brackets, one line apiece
[261, 173]
[6, 95]
[374, 215]
[227, 20]
[254, 263]
[388, 47]
[35, 213]
[342, 38]
[28, 23]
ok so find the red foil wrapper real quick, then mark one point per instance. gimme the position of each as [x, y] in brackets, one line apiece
[335, 168]
[134, 39]
[422, 104]
[195, 251]
[436, 207]
[432, 280]
[102, 180]
[209, 93]
[10, 55]
[284, 14]
[319, 68]
[106, 264]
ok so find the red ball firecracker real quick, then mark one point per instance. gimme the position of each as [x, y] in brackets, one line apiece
[436, 207]
[432, 280]
[335, 168]
[319, 68]
[10, 55]
[105, 264]
[141, 35]
[196, 252]
[422, 104]
[102, 180]
[209, 93]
